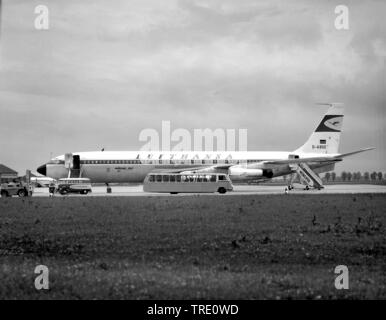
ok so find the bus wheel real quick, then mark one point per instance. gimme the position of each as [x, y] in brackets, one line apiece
[21, 193]
[173, 192]
[221, 190]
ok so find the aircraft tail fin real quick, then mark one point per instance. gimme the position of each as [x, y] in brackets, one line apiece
[326, 137]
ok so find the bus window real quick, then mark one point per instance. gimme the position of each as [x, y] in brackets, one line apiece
[172, 178]
[212, 178]
[159, 178]
[199, 179]
[178, 178]
[191, 178]
[221, 177]
[151, 178]
[205, 179]
[165, 178]
[184, 178]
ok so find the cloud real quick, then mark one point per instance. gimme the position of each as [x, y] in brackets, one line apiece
[104, 71]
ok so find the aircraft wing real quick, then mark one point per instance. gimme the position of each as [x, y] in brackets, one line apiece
[302, 160]
[179, 170]
[322, 159]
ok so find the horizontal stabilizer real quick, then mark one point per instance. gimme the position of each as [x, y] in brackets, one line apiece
[316, 159]
[354, 152]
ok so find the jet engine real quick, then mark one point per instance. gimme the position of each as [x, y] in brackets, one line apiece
[246, 173]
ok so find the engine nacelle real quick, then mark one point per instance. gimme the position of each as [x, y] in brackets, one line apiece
[246, 173]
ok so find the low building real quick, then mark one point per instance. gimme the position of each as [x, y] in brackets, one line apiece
[6, 173]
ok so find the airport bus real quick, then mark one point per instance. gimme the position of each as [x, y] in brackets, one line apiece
[187, 183]
[74, 185]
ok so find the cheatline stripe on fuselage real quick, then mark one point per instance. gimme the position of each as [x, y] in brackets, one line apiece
[177, 162]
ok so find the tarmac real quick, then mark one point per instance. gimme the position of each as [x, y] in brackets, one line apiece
[136, 190]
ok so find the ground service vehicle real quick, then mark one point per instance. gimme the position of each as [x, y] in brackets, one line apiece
[74, 185]
[187, 183]
[14, 188]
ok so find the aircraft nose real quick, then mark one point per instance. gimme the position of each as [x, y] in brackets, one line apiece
[42, 170]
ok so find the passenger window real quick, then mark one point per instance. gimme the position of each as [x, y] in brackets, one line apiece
[199, 179]
[178, 178]
[172, 178]
[159, 178]
[212, 178]
[165, 178]
[151, 178]
[221, 177]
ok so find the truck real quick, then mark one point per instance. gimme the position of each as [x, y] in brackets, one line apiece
[74, 185]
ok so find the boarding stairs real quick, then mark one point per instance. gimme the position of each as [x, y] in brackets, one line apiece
[307, 176]
[74, 173]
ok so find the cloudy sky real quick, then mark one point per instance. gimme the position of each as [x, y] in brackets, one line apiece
[105, 70]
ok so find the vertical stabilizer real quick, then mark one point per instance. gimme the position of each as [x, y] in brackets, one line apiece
[326, 137]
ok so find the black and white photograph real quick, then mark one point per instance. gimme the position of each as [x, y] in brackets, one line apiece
[192, 155]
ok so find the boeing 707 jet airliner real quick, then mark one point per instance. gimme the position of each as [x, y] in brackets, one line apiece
[318, 154]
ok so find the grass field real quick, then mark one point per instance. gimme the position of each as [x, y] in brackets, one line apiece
[194, 247]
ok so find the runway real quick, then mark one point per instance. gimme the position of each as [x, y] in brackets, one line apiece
[136, 190]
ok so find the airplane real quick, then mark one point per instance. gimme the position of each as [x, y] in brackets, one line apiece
[318, 154]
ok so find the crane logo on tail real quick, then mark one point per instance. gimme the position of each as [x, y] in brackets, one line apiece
[330, 123]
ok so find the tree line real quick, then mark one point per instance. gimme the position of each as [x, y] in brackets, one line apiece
[355, 176]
